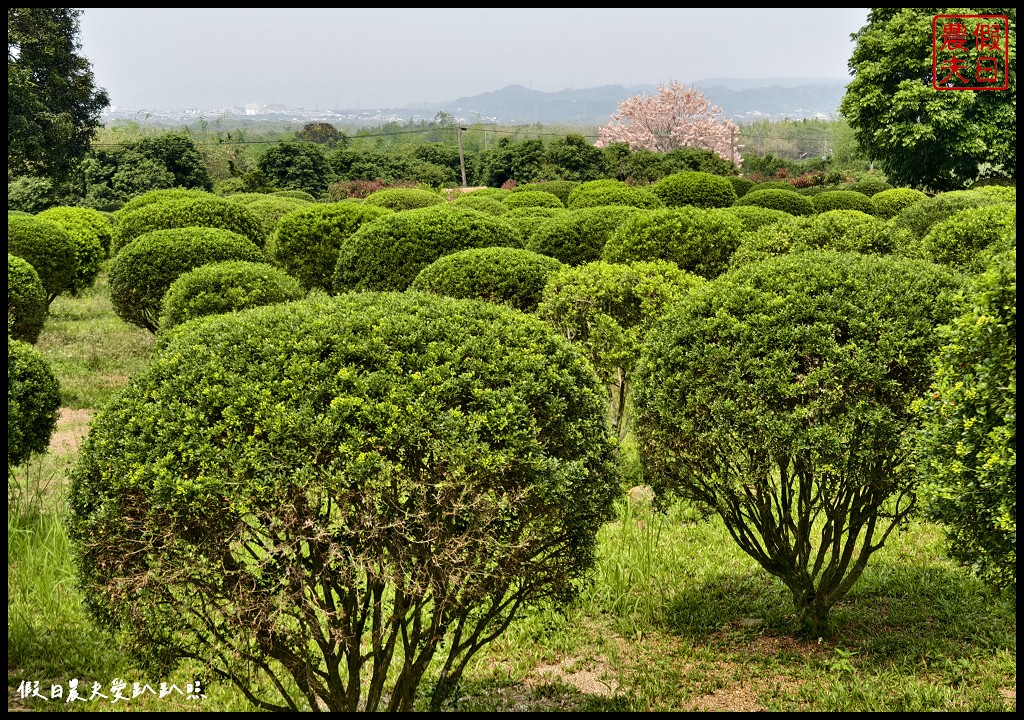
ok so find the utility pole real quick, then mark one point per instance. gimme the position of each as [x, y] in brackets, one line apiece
[462, 159]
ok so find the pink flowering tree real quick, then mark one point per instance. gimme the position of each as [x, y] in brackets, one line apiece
[677, 117]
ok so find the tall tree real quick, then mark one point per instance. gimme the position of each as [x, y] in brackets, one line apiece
[922, 136]
[53, 105]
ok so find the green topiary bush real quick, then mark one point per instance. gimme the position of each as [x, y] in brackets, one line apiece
[399, 199]
[389, 252]
[269, 209]
[869, 187]
[225, 287]
[921, 216]
[26, 300]
[308, 239]
[33, 402]
[489, 205]
[741, 185]
[698, 241]
[532, 198]
[774, 185]
[779, 396]
[754, 217]
[422, 466]
[890, 203]
[89, 229]
[142, 272]
[611, 192]
[606, 309]
[579, 236]
[699, 189]
[47, 247]
[959, 240]
[508, 276]
[843, 200]
[558, 188]
[163, 195]
[527, 220]
[294, 194]
[776, 199]
[967, 456]
[209, 212]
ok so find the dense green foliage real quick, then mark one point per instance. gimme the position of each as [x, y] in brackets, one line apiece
[778, 199]
[611, 192]
[698, 189]
[389, 252]
[698, 241]
[579, 236]
[399, 199]
[528, 220]
[142, 272]
[890, 203]
[779, 396]
[33, 401]
[532, 198]
[869, 186]
[919, 217]
[48, 247]
[968, 449]
[89, 230]
[959, 240]
[406, 473]
[923, 137]
[755, 217]
[558, 188]
[741, 185]
[269, 209]
[843, 200]
[26, 300]
[297, 166]
[489, 205]
[509, 276]
[209, 211]
[223, 287]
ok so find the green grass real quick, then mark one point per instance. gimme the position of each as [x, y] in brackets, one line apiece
[676, 618]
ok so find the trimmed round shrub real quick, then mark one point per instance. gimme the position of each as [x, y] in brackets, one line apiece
[399, 199]
[611, 192]
[432, 465]
[699, 189]
[528, 219]
[269, 209]
[488, 192]
[741, 185]
[89, 229]
[532, 198]
[921, 216]
[142, 272]
[226, 287]
[47, 247]
[558, 188]
[1002, 193]
[775, 185]
[164, 195]
[967, 455]
[890, 203]
[389, 252]
[606, 309]
[489, 205]
[210, 211]
[33, 402]
[779, 396]
[26, 300]
[844, 200]
[508, 276]
[959, 240]
[579, 236]
[869, 186]
[294, 194]
[698, 241]
[308, 239]
[776, 199]
[754, 217]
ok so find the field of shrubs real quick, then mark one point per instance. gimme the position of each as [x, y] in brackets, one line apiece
[703, 443]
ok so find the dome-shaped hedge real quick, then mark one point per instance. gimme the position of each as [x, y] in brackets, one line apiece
[699, 189]
[741, 185]
[26, 300]
[843, 200]
[774, 185]
[294, 194]
[389, 252]
[400, 199]
[209, 211]
[142, 272]
[33, 402]
[489, 205]
[869, 187]
[47, 247]
[959, 240]
[508, 276]
[921, 216]
[786, 200]
[579, 236]
[226, 287]
[754, 217]
[527, 220]
[409, 453]
[611, 192]
[269, 209]
[698, 241]
[532, 198]
[308, 239]
[163, 195]
[89, 229]
[890, 203]
[558, 188]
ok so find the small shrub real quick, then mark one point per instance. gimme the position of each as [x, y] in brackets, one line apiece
[84, 220]
[26, 300]
[226, 287]
[489, 205]
[786, 200]
[754, 217]
[528, 220]
[532, 198]
[400, 199]
[269, 209]
[959, 240]
[890, 203]
[558, 188]
[698, 241]
[294, 194]
[47, 247]
[579, 236]
[33, 402]
[774, 185]
[921, 216]
[389, 252]
[508, 276]
[699, 189]
[142, 272]
[611, 192]
[208, 211]
[844, 200]
[91, 232]
[741, 185]
[869, 186]
[162, 195]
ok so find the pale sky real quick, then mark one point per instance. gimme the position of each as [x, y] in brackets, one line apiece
[400, 58]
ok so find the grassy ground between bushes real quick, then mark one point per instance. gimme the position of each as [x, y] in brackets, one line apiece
[677, 617]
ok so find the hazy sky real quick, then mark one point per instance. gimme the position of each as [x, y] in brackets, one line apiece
[361, 58]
